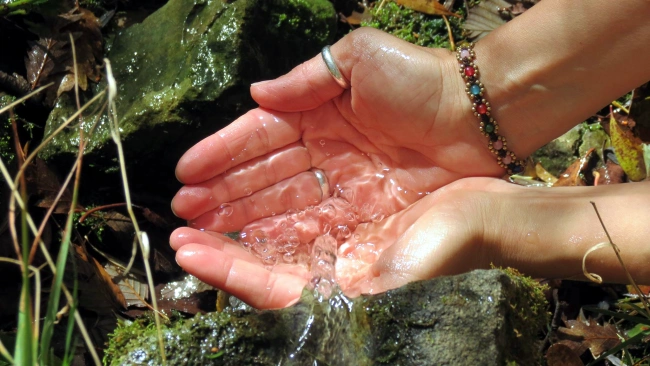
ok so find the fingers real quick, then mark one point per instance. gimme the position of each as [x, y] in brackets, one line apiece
[310, 84]
[249, 282]
[297, 192]
[254, 134]
[194, 200]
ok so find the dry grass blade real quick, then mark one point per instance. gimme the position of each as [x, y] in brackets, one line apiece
[18, 101]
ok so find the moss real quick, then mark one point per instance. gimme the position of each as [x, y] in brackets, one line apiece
[530, 313]
[412, 26]
[6, 145]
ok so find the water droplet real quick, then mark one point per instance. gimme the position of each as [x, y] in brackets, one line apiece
[225, 210]
[532, 237]
[322, 142]
[344, 232]
[357, 236]
[248, 191]
[377, 216]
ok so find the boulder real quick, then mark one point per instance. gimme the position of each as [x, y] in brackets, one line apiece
[485, 317]
[185, 72]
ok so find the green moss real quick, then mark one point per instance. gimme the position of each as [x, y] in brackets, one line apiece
[530, 313]
[6, 146]
[412, 26]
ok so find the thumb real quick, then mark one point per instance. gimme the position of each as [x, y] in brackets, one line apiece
[310, 84]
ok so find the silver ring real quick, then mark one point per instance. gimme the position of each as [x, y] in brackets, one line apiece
[333, 69]
[322, 182]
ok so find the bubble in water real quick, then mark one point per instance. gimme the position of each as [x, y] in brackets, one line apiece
[248, 191]
[225, 210]
[292, 216]
[328, 212]
[287, 257]
[322, 142]
[269, 260]
[344, 232]
[377, 216]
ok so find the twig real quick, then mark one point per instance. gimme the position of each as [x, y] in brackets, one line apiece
[452, 44]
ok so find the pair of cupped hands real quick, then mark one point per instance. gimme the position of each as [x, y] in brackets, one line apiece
[398, 149]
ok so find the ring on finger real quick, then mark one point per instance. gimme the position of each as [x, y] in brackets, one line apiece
[322, 182]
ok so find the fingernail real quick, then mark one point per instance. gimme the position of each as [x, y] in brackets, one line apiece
[260, 82]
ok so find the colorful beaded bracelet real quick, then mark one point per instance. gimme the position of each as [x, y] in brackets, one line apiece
[488, 125]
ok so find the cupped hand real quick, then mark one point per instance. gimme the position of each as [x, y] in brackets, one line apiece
[404, 129]
[440, 234]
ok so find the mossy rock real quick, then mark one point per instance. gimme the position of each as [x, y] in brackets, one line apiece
[185, 72]
[485, 317]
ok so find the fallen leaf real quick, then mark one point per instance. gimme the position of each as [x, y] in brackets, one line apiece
[44, 185]
[572, 176]
[629, 151]
[610, 173]
[484, 18]
[582, 334]
[431, 7]
[134, 287]
[560, 354]
[41, 59]
[97, 291]
[544, 175]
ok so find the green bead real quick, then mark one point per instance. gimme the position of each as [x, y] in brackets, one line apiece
[489, 128]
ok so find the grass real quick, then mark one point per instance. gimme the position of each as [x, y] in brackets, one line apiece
[34, 345]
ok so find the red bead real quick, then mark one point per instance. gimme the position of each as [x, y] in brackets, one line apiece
[469, 71]
[481, 108]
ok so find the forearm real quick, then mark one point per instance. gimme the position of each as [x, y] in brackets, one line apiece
[561, 61]
[550, 230]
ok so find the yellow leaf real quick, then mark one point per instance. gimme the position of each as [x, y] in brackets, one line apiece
[431, 7]
[629, 151]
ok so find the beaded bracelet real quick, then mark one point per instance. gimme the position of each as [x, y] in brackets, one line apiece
[488, 125]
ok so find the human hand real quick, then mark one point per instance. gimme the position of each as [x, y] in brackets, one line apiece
[438, 235]
[404, 129]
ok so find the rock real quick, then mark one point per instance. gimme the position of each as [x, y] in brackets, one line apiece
[185, 72]
[558, 154]
[479, 318]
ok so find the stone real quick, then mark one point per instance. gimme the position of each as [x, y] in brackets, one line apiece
[507, 159]
[475, 89]
[485, 317]
[185, 72]
[558, 154]
[497, 144]
[470, 71]
[464, 53]
[489, 128]
[481, 108]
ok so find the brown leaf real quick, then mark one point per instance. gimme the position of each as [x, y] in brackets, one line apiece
[484, 17]
[610, 173]
[97, 292]
[629, 150]
[134, 287]
[431, 7]
[581, 334]
[41, 60]
[560, 354]
[44, 185]
[573, 175]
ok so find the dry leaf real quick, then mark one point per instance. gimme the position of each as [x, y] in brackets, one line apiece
[134, 287]
[483, 18]
[582, 334]
[573, 175]
[610, 173]
[544, 175]
[629, 150]
[431, 7]
[97, 292]
[41, 58]
[560, 354]
[44, 185]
